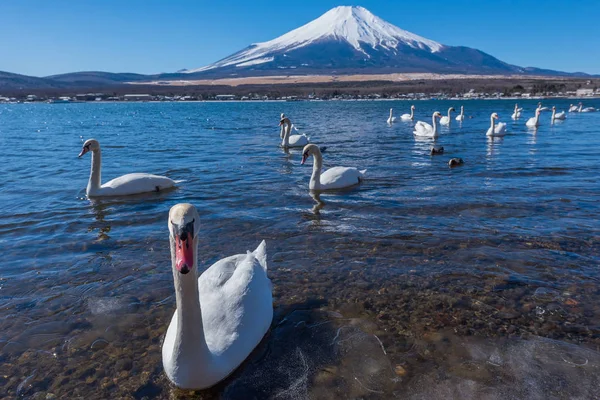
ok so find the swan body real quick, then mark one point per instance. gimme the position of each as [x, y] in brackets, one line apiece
[333, 178]
[446, 119]
[461, 116]
[409, 117]
[573, 108]
[496, 130]
[517, 113]
[425, 130]
[291, 140]
[534, 121]
[221, 316]
[391, 119]
[588, 109]
[124, 185]
[558, 116]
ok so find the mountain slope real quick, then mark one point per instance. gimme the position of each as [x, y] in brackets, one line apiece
[352, 40]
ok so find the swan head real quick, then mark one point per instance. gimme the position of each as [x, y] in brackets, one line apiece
[89, 145]
[184, 224]
[437, 114]
[451, 109]
[309, 150]
[412, 107]
[284, 120]
[495, 115]
[553, 108]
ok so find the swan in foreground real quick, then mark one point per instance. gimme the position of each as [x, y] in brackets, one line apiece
[291, 140]
[221, 316]
[409, 117]
[496, 130]
[573, 108]
[333, 178]
[446, 120]
[391, 119]
[560, 116]
[461, 116]
[534, 121]
[426, 130]
[517, 113]
[124, 185]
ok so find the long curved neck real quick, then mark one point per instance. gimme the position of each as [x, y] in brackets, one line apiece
[493, 123]
[390, 113]
[434, 123]
[412, 113]
[189, 335]
[96, 172]
[286, 134]
[315, 179]
[516, 108]
[449, 112]
[553, 114]
[462, 111]
[580, 107]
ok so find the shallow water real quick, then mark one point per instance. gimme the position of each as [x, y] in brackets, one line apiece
[479, 281]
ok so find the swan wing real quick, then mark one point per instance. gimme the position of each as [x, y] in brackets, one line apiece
[136, 183]
[500, 128]
[341, 177]
[423, 129]
[237, 304]
[298, 140]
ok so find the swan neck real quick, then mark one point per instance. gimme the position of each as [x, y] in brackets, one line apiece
[434, 123]
[96, 172]
[286, 134]
[493, 123]
[412, 113]
[189, 335]
[449, 114]
[315, 179]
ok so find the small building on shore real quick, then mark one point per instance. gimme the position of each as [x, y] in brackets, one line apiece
[138, 97]
[585, 92]
[225, 97]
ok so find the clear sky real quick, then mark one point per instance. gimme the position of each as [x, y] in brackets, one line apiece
[42, 37]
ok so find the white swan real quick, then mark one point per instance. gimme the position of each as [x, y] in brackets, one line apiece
[517, 113]
[446, 120]
[409, 117]
[560, 116]
[573, 108]
[534, 121]
[426, 130]
[333, 178]
[282, 130]
[588, 109]
[291, 140]
[461, 116]
[124, 185]
[221, 316]
[494, 130]
[391, 119]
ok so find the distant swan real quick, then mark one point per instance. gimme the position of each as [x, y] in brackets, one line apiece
[426, 130]
[391, 119]
[573, 108]
[534, 121]
[560, 116]
[222, 314]
[461, 116]
[124, 185]
[409, 117]
[517, 113]
[446, 120]
[291, 140]
[494, 130]
[588, 109]
[333, 178]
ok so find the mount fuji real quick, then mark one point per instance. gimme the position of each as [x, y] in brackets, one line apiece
[349, 40]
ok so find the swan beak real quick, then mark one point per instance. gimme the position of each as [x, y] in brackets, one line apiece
[304, 157]
[83, 151]
[184, 253]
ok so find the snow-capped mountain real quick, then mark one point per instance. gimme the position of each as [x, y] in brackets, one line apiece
[352, 40]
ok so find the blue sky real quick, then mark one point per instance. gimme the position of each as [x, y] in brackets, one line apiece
[41, 37]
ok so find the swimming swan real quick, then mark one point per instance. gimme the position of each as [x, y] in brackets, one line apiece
[333, 178]
[496, 130]
[426, 130]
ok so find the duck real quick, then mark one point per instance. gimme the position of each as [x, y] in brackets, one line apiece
[461, 116]
[517, 113]
[125, 185]
[496, 130]
[291, 140]
[534, 121]
[436, 150]
[446, 120]
[454, 162]
[222, 314]
[335, 177]
[558, 116]
[409, 117]
[426, 130]
[391, 119]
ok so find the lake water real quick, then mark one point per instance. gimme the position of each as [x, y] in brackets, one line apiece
[480, 281]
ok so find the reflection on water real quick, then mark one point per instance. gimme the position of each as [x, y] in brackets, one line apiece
[422, 282]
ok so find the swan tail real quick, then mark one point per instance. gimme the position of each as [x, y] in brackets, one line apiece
[261, 254]
[363, 172]
[296, 129]
[179, 181]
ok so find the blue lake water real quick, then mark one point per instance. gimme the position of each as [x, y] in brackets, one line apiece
[499, 255]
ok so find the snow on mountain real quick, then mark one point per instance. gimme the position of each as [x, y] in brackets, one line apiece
[354, 25]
